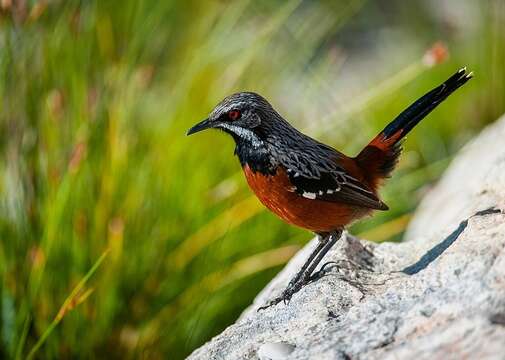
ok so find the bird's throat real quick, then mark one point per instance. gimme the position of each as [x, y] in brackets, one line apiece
[258, 159]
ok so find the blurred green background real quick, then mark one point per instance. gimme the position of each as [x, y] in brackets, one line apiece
[123, 238]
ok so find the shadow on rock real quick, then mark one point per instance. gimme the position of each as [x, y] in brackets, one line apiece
[439, 249]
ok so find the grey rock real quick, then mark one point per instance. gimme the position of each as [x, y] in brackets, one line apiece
[438, 295]
[275, 351]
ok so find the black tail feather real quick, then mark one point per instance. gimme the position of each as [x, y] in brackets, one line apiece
[411, 116]
[380, 157]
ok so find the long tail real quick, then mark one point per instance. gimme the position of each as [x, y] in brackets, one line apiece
[380, 156]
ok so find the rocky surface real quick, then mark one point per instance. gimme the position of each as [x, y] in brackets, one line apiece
[438, 295]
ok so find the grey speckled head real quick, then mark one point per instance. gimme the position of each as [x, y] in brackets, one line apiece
[248, 103]
[239, 114]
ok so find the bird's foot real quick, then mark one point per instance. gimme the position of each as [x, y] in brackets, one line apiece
[338, 266]
[325, 270]
[348, 271]
[286, 295]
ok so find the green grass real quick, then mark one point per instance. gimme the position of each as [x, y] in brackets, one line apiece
[96, 98]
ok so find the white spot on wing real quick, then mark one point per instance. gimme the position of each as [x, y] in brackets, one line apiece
[309, 195]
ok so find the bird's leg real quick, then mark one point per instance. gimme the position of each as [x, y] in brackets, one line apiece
[319, 247]
[288, 292]
[303, 276]
[331, 240]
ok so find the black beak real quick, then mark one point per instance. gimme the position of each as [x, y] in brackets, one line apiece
[205, 124]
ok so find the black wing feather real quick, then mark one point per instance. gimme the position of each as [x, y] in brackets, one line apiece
[335, 186]
[314, 171]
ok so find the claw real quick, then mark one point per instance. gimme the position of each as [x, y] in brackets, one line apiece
[274, 302]
[323, 271]
[285, 296]
[300, 281]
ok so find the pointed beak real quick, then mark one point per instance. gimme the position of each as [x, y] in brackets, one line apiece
[205, 124]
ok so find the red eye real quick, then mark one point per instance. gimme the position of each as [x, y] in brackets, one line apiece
[234, 114]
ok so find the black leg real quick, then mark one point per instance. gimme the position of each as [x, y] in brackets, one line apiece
[303, 276]
[333, 238]
[306, 278]
[322, 239]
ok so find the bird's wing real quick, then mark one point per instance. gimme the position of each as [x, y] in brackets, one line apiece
[335, 186]
[314, 171]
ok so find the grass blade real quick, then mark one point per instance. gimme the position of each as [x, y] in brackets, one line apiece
[67, 304]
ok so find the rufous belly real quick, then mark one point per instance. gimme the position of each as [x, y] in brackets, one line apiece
[275, 192]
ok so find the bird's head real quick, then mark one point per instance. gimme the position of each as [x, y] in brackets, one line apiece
[243, 115]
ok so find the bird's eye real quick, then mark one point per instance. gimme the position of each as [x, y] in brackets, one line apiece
[234, 115]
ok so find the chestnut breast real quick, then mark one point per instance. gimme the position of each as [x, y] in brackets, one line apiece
[277, 194]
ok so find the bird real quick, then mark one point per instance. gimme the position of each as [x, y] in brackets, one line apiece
[309, 184]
